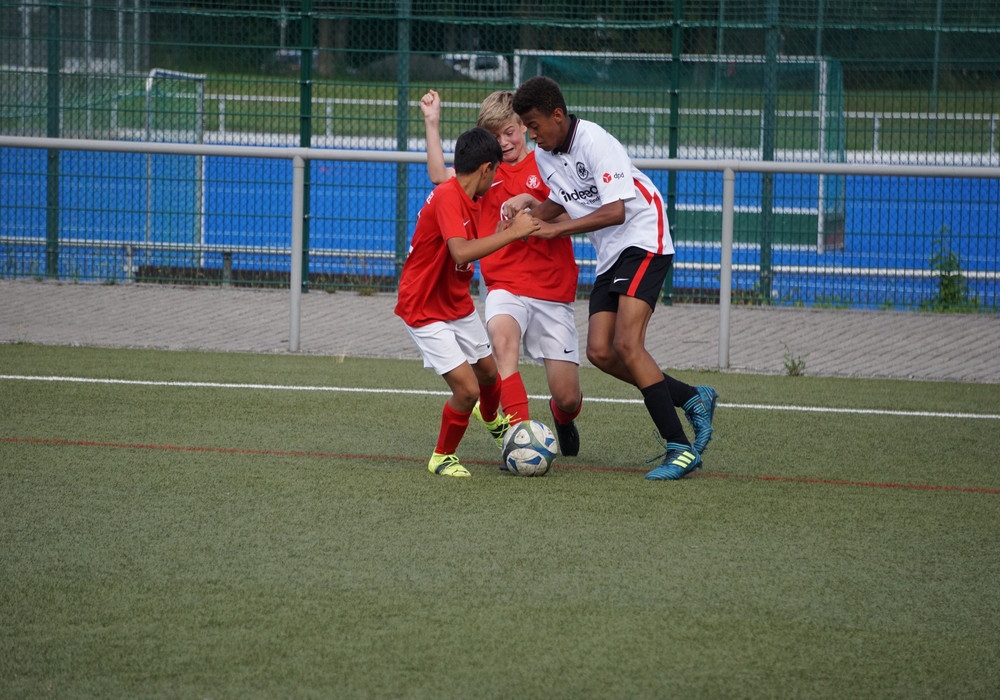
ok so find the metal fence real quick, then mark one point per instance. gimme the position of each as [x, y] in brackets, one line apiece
[727, 269]
[826, 81]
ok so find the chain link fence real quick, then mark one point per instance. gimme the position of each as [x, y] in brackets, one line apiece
[820, 80]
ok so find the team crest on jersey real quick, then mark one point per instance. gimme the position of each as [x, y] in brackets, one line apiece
[533, 182]
[581, 171]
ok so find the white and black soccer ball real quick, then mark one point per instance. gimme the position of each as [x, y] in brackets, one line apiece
[529, 448]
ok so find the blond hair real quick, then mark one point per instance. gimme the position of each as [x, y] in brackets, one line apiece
[497, 111]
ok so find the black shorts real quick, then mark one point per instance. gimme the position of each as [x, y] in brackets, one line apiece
[637, 273]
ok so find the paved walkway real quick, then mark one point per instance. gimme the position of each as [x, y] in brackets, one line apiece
[832, 343]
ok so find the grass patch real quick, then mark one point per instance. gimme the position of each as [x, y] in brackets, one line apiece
[247, 542]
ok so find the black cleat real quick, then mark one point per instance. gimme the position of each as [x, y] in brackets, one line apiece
[568, 435]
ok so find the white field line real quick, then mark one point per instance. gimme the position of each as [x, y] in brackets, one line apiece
[423, 392]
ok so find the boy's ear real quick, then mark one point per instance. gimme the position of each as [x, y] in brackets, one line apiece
[484, 173]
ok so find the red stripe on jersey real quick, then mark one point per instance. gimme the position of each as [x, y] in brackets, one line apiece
[654, 199]
[637, 278]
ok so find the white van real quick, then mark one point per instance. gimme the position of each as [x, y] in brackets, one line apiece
[484, 67]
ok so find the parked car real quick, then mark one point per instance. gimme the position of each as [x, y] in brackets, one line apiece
[286, 61]
[483, 67]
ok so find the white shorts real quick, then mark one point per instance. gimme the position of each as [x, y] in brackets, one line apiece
[548, 328]
[445, 345]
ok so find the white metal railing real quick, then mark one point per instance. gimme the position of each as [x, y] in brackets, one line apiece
[878, 117]
[299, 157]
[653, 116]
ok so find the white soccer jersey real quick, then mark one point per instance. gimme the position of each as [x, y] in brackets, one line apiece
[594, 169]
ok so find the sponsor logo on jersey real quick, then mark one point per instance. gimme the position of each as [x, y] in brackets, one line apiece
[579, 195]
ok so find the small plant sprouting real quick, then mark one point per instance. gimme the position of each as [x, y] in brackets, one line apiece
[364, 281]
[953, 287]
[795, 365]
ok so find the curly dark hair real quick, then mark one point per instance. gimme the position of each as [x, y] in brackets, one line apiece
[539, 93]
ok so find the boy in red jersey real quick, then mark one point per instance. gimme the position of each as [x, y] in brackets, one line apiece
[532, 284]
[434, 300]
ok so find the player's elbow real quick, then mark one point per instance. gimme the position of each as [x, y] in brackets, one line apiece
[439, 175]
[461, 256]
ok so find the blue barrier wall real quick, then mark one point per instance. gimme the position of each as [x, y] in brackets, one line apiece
[894, 227]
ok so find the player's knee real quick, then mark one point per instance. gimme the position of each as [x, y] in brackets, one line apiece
[628, 349]
[465, 394]
[567, 401]
[504, 346]
[600, 356]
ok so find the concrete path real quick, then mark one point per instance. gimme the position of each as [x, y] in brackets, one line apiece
[832, 343]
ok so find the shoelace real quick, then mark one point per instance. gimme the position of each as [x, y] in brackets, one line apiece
[663, 444]
[666, 448]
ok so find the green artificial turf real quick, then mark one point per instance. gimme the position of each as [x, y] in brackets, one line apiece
[207, 541]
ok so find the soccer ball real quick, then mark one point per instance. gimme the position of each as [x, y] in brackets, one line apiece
[529, 448]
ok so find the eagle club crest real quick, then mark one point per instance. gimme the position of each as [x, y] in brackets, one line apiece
[581, 171]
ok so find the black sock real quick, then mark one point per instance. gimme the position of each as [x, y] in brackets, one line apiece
[661, 410]
[680, 392]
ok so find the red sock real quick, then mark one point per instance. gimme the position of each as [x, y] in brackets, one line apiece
[453, 425]
[489, 399]
[563, 418]
[514, 398]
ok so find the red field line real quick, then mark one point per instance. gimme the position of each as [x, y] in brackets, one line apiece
[580, 467]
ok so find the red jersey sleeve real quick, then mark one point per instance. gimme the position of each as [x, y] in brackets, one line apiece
[432, 287]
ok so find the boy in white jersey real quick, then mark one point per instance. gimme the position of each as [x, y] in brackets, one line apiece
[532, 283]
[592, 178]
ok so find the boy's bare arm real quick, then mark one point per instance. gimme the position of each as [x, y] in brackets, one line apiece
[430, 106]
[545, 211]
[464, 251]
[610, 214]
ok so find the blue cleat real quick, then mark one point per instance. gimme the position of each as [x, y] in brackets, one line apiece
[699, 411]
[679, 461]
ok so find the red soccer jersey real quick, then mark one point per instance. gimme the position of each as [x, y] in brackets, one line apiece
[431, 286]
[533, 267]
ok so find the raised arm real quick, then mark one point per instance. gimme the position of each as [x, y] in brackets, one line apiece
[430, 105]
